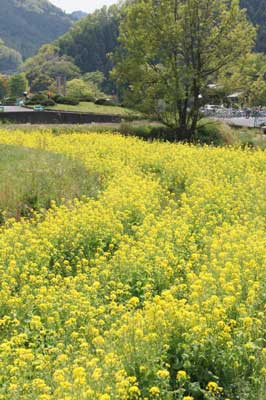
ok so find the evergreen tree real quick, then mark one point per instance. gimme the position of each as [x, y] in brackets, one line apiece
[17, 85]
[3, 86]
[256, 10]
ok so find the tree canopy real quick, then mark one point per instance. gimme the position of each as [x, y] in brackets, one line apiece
[247, 76]
[17, 85]
[3, 86]
[171, 50]
[78, 88]
[42, 69]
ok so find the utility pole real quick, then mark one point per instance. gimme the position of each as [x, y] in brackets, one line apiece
[58, 85]
[61, 81]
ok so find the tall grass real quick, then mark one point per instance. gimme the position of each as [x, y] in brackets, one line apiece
[31, 179]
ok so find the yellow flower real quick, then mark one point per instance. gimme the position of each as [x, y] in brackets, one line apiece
[154, 391]
[40, 385]
[79, 375]
[163, 374]
[134, 391]
[105, 397]
[36, 322]
[97, 373]
[181, 375]
[59, 376]
[44, 397]
[171, 239]
[13, 387]
[213, 387]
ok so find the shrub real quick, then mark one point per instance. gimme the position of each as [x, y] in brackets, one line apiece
[79, 88]
[104, 102]
[10, 101]
[88, 98]
[56, 97]
[147, 131]
[36, 99]
[48, 103]
[72, 101]
[216, 133]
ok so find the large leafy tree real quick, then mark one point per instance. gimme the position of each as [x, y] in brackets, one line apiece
[42, 69]
[17, 85]
[248, 77]
[79, 88]
[171, 49]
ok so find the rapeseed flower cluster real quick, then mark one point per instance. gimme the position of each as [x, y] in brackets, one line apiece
[155, 289]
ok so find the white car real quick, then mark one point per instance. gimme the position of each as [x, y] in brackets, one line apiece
[211, 107]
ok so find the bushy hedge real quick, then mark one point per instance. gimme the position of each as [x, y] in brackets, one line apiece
[104, 102]
[159, 132]
[89, 99]
[72, 101]
[9, 101]
[48, 103]
[216, 133]
[36, 99]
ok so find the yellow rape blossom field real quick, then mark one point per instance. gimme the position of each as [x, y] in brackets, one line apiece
[154, 289]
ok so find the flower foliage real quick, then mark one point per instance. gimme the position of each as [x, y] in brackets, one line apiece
[153, 290]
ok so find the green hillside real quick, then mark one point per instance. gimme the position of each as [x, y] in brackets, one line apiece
[91, 39]
[27, 24]
[256, 10]
[10, 59]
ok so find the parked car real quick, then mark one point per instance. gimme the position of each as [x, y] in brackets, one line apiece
[211, 107]
[38, 108]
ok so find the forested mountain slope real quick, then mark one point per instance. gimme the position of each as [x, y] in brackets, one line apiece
[91, 39]
[27, 24]
[256, 10]
[77, 15]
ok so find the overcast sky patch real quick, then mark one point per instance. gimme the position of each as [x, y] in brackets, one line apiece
[84, 5]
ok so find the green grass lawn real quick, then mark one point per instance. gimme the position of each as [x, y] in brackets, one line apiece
[30, 179]
[95, 108]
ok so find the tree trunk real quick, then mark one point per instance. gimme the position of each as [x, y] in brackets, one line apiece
[183, 131]
[188, 119]
[194, 123]
[195, 109]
